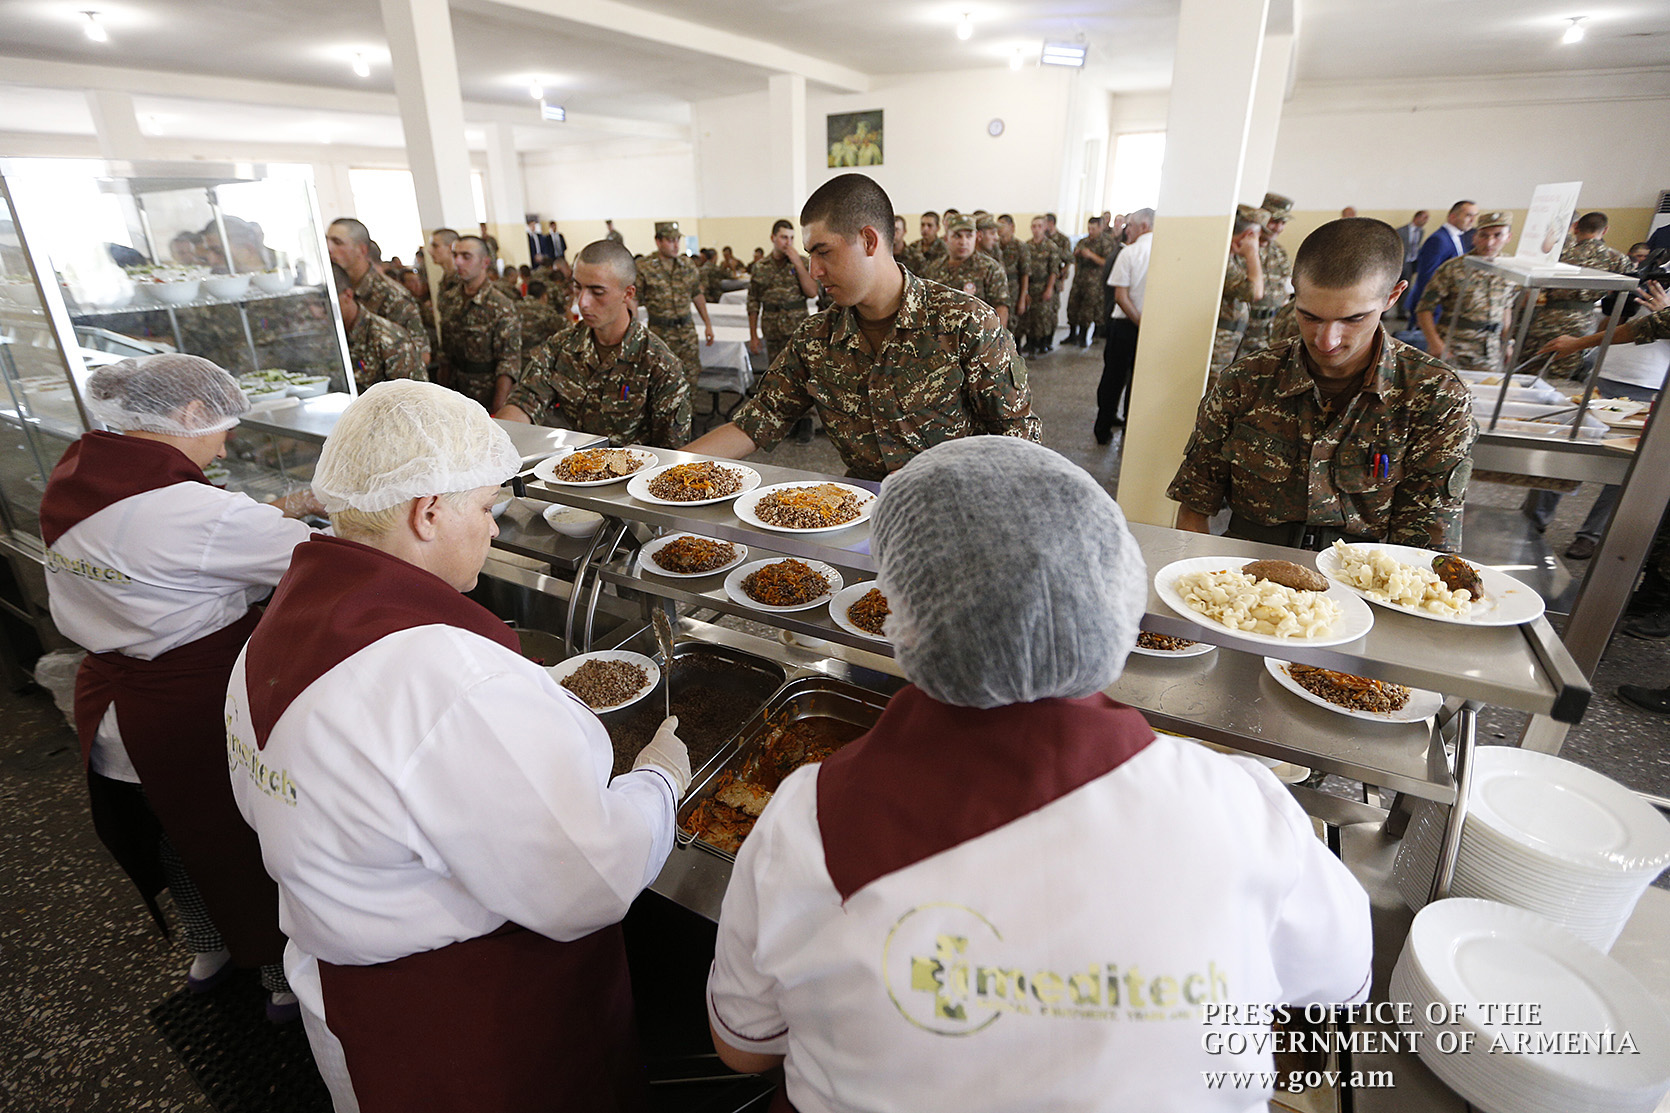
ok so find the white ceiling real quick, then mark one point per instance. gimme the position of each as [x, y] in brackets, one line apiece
[600, 71]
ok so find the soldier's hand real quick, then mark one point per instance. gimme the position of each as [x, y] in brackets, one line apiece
[1653, 297]
[1562, 345]
[1435, 348]
[710, 335]
[755, 345]
[1022, 305]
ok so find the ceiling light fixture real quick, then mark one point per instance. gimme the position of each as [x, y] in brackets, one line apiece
[1574, 33]
[1015, 59]
[536, 90]
[95, 27]
[361, 66]
[1063, 54]
[965, 29]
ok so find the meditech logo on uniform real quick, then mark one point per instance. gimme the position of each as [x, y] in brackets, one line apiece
[79, 566]
[946, 973]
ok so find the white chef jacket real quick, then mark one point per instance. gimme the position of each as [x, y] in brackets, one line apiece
[159, 569]
[1057, 962]
[428, 789]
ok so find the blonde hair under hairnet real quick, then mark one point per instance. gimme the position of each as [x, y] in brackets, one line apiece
[151, 394]
[1009, 574]
[403, 440]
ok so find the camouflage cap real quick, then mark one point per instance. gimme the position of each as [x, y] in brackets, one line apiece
[1259, 217]
[1494, 219]
[961, 222]
[985, 223]
[1279, 207]
[666, 229]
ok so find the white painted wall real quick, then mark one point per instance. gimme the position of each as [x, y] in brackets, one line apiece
[650, 179]
[732, 175]
[1408, 145]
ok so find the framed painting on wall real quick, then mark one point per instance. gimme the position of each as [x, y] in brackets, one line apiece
[855, 138]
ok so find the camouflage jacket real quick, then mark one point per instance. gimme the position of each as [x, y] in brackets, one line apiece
[1592, 253]
[381, 350]
[1484, 298]
[1237, 294]
[1085, 271]
[979, 275]
[540, 322]
[667, 286]
[392, 302]
[481, 333]
[641, 397]
[1016, 258]
[947, 370]
[1042, 260]
[774, 294]
[1263, 443]
[916, 257]
[1278, 274]
[712, 281]
[1654, 326]
[1060, 240]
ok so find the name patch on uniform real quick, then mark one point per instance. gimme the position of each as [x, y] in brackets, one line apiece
[946, 972]
[80, 566]
[270, 780]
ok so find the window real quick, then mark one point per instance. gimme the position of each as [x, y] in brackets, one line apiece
[1137, 157]
[386, 203]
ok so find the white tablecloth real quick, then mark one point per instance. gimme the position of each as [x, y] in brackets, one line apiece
[734, 297]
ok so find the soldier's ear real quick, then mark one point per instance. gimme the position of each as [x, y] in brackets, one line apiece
[870, 239]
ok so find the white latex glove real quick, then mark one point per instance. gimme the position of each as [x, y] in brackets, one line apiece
[666, 754]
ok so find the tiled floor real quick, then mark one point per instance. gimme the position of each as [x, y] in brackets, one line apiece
[80, 965]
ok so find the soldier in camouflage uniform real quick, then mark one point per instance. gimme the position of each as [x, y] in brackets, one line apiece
[1243, 284]
[777, 291]
[1572, 312]
[668, 282]
[611, 234]
[1278, 271]
[378, 349]
[971, 271]
[1475, 306]
[540, 321]
[1016, 258]
[1084, 300]
[713, 279]
[481, 332]
[349, 244]
[1367, 439]
[607, 374]
[896, 367]
[1044, 264]
[927, 249]
[1058, 237]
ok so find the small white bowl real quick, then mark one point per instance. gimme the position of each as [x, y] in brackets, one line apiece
[311, 387]
[174, 293]
[227, 285]
[571, 521]
[275, 282]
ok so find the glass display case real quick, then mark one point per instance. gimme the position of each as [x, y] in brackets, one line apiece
[100, 261]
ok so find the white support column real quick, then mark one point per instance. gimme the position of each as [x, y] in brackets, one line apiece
[431, 110]
[334, 189]
[786, 138]
[1212, 89]
[116, 124]
[1275, 77]
[505, 205]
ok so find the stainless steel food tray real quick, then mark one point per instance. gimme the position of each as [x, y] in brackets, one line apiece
[750, 681]
[803, 698]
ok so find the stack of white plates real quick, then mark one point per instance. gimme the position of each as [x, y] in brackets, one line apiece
[1464, 957]
[1547, 835]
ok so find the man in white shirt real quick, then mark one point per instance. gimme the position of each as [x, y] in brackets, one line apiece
[1127, 283]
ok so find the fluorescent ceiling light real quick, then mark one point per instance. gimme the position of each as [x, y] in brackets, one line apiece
[556, 113]
[1574, 33]
[95, 27]
[1063, 54]
[965, 28]
[536, 91]
[361, 66]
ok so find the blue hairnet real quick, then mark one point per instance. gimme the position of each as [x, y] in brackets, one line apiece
[1009, 574]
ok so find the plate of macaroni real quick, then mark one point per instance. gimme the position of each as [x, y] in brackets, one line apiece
[1401, 578]
[1214, 592]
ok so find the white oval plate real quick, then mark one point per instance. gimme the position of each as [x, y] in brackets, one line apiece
[652, 673]
[1356, 619]
[1422, 703]
[648, 563]
[638, 488]
[745, 506]
[1198, 649]
[844, 599]
[1506, 602]
[733, 585]
[546, 468]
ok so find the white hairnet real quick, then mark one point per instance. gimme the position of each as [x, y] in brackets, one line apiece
[154, 394]
[404, 440]
[1009, 574]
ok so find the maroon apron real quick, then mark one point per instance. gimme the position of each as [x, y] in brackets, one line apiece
[511, 1021]
[171, 712]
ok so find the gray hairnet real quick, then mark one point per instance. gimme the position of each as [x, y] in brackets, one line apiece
[1009, 574]
[403, 440]
[151, 394]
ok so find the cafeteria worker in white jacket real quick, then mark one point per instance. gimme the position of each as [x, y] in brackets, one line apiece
[156, 573]
[453, 860]
[1011, 894]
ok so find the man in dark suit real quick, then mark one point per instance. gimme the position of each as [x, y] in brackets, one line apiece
[1452, 238]
[541, 249]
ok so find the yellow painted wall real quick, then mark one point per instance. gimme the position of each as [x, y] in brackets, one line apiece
[745, 233]
[1628, 225]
